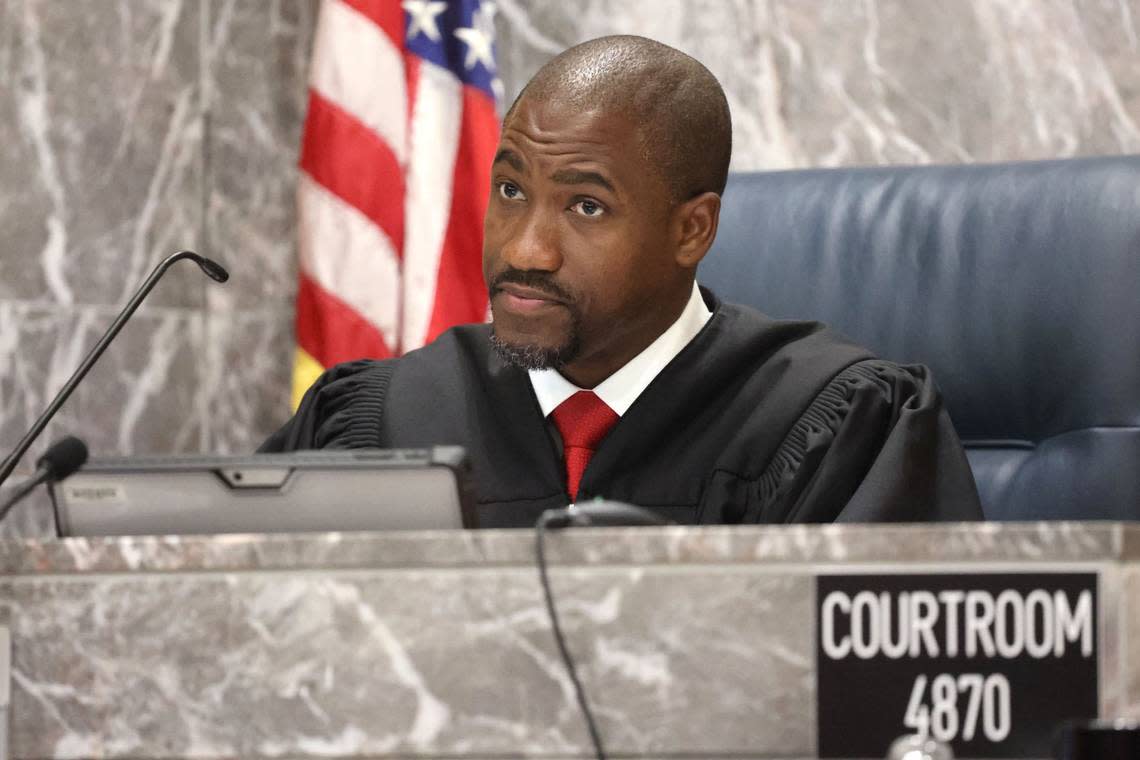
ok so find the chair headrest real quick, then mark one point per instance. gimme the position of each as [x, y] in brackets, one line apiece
[1018, 284]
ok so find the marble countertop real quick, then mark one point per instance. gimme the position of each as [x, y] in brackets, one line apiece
[678, 545]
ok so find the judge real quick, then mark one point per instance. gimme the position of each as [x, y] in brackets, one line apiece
[606, 371]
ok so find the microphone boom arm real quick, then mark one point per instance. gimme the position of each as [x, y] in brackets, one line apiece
[212, 270]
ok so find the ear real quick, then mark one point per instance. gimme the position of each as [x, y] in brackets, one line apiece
[694, 223]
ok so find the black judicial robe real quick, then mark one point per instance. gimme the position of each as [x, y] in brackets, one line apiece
[754, 421]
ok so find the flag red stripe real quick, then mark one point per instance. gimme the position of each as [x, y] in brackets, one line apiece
[331, 331]
[461, 295]
[412, 65]
[386, 14]
[355, 164]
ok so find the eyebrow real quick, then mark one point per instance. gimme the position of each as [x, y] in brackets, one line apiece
[510, 158]
[574, 177]
[563, 177]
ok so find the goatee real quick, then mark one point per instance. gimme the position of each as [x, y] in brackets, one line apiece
[529, 356]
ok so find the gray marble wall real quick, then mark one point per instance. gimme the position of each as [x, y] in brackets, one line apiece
[133, 128]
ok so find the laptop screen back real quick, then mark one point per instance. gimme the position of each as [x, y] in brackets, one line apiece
[354, 490]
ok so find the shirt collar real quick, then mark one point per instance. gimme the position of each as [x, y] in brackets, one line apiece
[622, 388]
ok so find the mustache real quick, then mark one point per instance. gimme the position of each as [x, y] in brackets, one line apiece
[531, 279]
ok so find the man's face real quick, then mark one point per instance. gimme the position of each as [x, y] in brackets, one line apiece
[577, 249]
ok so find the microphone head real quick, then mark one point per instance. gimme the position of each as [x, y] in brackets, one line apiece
[213, 269]
[62, 458]
[615, 513]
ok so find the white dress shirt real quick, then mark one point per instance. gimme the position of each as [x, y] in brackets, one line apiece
[622, 388]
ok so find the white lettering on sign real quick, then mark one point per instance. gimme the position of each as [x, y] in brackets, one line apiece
[951, 599]
[1038, 636]
[836, 601]
[957, 706]
[924, 614]
[908, 624]
[1073, 624]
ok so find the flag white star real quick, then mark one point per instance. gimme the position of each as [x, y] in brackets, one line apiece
[479, 37]
[422, 17]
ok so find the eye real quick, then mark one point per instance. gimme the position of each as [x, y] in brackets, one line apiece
[588, 208]
[511, 191]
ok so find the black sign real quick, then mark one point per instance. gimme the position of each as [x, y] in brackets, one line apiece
[988, 663]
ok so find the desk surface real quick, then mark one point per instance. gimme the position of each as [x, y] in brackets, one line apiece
[895, 543]
[692, 642]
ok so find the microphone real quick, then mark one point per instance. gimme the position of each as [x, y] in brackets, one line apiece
[601, 513]
[62, 458]
[213, 270]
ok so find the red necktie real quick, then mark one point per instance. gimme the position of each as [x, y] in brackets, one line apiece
[583, 421]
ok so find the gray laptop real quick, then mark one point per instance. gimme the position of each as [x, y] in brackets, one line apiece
[354, 490]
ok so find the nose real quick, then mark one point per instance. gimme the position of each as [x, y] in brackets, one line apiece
[532, 244]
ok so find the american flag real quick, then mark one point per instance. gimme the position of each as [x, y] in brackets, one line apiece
[395, 170]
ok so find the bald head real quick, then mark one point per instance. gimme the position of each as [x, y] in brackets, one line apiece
[676, 104]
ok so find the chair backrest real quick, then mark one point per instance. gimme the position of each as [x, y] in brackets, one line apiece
[1018, 284]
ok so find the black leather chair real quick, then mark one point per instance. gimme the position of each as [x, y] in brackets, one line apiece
[1018, 284]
